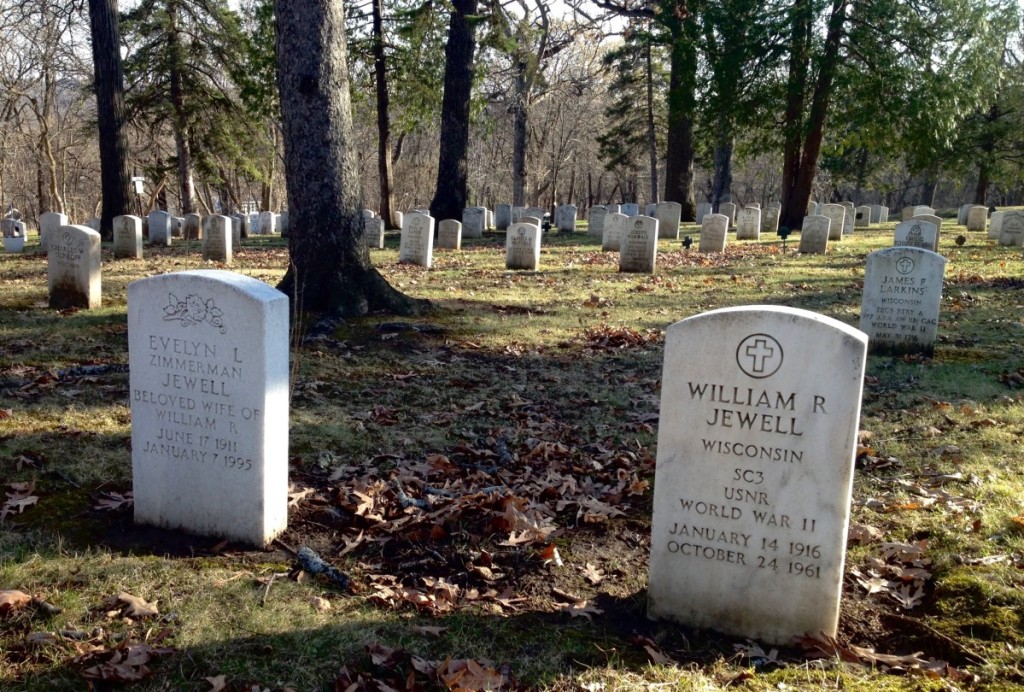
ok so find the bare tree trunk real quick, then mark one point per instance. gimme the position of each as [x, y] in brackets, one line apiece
[721, 184]
[330, 270]
[384, 168]
[450, 194]
[682, 105]
[106, 58]
[652, 142]
[182, 131]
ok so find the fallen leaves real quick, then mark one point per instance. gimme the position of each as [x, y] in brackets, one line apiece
[900, 573]
[115, 501]
[125, 662]
[12, 599]
[18, 498]
[397, 669]
[131, 606]
[824, 646]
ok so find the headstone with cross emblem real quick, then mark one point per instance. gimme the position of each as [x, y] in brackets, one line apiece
[522, 246]
[756, 446]
[900, 306]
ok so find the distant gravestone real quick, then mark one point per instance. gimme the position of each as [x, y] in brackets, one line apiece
[977, 216]
[595, 222]
[916, 233]
[535, 220]
[488, 218]
[373, 233]
[1012, 231]
[535, 212]
[502, 216]
[638, 248]
[399, 220]
[245, 225]
[177, 226]
[753, 205]
[282, 223]
[473, 222]
[369, 214]
[614, 208]
[815, 234]
[748, 224]
[883, 215]
[208, 355]
[631, 209]
[159, 228]
[73, 268]
[876, 213]
[449, 235]
[756, 445]
[813, 209]
[932, 219]
[127, 237]
[517, 213]
[236, 232]
[961, 214]
[922, 209]
[900, 305]
[703, 209]
[417, 242]
[268, 223]
[565, 218]
[908, 213]
[848, 220]
[836, 214]
[191, 229]
[49, 223]
[862, 217]
[522, 246]
[713, 231]
[217, 245]
[668, 215]
[614, 227]
[995, 225]
[728, 210]
[770, 219]
[649, 209]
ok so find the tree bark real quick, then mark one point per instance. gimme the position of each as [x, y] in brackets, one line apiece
[451, 191]
[113, 144]
[721, 183]
[682, 105]
[330, 271]
[520, 130]
[652, 142]
[384, 167]
[182, 131]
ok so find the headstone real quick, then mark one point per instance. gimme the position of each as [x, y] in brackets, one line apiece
[399, 219]
[639, 245]
[254, 223]
[190, 229]
[417, 243]
[94, 224]
[649, 209]
[614, 208]
[883, 215]
[995, 225]
[449, 235]
[177, 226]
[373, 233]
[517, 213]
[13, 233]
[488, 219]
[127, 237]
[876, 213]
[961, 214]
[217, 242]
[631, 209]
[267, 223]
[836, 214]
[1012, 232]
[900, 307]
[916, 233]
[748, 224]
[244, 225]
[73, 268]
[369, 214]
[49, 223]
[565, 218]
[668, 215]
[473, 222]
[728, 209]
[282, 224]
[922, 209]
[208, 364]
[937, 221]
[703, 209]
[535, 212]
[614, 228]
[713, 231]
[977, 216]
[848, 220]
[535, 220]
[770, 220]
[816, 232]
[908, 213]
[757, 438]
[159, 228]
[236, 232]
[502, 216]
[595, 222]
[522, 246]
[813, 209]
[753, 205]
[862, 217]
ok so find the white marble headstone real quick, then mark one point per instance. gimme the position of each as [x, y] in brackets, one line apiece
[703, 209]
[449, 235]
[522, 246]
[502, 216]
[614, 227]
[862, 217]
[631, 209]
[848, 220]
[770, 219]
[713, 231]
[916, 233]
[977, 216]
[902, 293]
[836, 214]
[728, 209]
[473, 219]
[268, 223]
[995, 225]
[417, 243]
[217, 243]
[748, 224]
[937, 220]
[668, 215]
[191, 229]
[159, 223]
[49, 223]
[208, 354]
[595, 222]
[815, 233]
[128, 237]
[565, 218]
[1011, 233]
[73, 268]
[756, 444]
[373, 233]
[638, 247]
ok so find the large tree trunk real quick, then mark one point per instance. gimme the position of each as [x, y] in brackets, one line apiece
[384, 170]
[804, 136]
[451, 193]
[682, 105]
[652, 141]
[721, 182]
[106, 59]
[182, 130]
[330, 270]
[520, 130]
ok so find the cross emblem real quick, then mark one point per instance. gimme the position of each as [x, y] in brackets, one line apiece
[759, 356]
[904, 265]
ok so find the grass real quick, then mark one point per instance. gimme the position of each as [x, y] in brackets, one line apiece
[560, 369]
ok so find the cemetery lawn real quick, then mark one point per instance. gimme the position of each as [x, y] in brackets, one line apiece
[483, 476]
